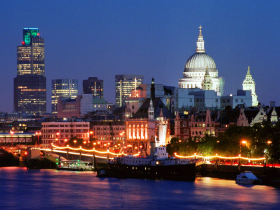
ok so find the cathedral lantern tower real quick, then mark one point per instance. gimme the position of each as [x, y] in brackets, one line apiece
[195, 70]
[249, 84]
[207, 83]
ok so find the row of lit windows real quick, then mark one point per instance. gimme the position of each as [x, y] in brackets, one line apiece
[39, 90]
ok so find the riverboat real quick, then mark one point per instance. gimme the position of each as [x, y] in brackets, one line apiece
[247, 177]
[75, 165]
[157, 166]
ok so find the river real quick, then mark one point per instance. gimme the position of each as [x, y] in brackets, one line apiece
[50, 189]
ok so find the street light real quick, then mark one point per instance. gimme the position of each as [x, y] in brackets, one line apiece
[242, 142]
[12, 133]
[269, 142]
[57, 137]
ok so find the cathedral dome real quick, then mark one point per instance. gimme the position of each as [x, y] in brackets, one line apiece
[200, 61]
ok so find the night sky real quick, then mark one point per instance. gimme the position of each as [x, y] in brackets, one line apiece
[153, 38]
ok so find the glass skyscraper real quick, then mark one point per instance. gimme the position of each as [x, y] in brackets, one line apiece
[123, 85]
[93, 85]
[30, 83]
[66, 88]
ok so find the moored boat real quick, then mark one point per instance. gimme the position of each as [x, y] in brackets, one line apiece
[156, 166]
[247, 177]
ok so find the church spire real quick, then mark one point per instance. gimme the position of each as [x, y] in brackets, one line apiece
[200, 42]
[207, 82]
[248, 72]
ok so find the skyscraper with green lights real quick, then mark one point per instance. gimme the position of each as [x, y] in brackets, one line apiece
[30, 83]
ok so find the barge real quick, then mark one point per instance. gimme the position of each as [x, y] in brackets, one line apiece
[156, 166]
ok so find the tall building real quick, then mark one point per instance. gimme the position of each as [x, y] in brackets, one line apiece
[195, 70]
[124, 84]
[66, 88]
[30, 83]
[92, 85]
[249, 84]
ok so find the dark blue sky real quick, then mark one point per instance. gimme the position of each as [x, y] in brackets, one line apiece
[153, 38]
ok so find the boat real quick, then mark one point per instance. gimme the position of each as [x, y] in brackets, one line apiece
[156, 166]
[247, 177]
[75, 165]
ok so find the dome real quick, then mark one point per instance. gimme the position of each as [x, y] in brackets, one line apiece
[199, 61]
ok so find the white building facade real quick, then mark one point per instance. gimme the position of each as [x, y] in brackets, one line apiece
[195, 70]
[242, 97]
[249, 84]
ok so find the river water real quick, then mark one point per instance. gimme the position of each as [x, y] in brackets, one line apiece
[51, 189]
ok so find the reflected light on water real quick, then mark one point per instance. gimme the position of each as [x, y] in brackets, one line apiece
[211, 188]
[51, 189]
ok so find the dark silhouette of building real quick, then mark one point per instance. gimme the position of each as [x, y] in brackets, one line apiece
[30, 83]
[93, 85]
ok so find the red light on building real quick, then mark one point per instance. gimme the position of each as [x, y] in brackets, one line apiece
[23, 43]
[38, 34]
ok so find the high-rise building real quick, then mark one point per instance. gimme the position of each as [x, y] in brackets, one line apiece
[30, 83]
[66, 88]
[93, 86]
[124, 84]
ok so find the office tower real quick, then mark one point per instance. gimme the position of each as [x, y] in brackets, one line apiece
[93, 85]
[123, 85]
[66, 88]
[30, 83]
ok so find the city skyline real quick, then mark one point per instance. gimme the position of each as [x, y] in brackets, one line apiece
[154, 39]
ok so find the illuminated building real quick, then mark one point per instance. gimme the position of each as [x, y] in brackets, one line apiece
[134, 101]
[108, 131]
[249, 84]
[149, 126]
[66, 88]
[61, 132]
[200, 71]
[124, 84]
[93, 86]
[202, 124]
[30, 83]
[181, 128]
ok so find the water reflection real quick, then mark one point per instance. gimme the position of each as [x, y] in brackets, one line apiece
[51, 189]
[227, 191]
